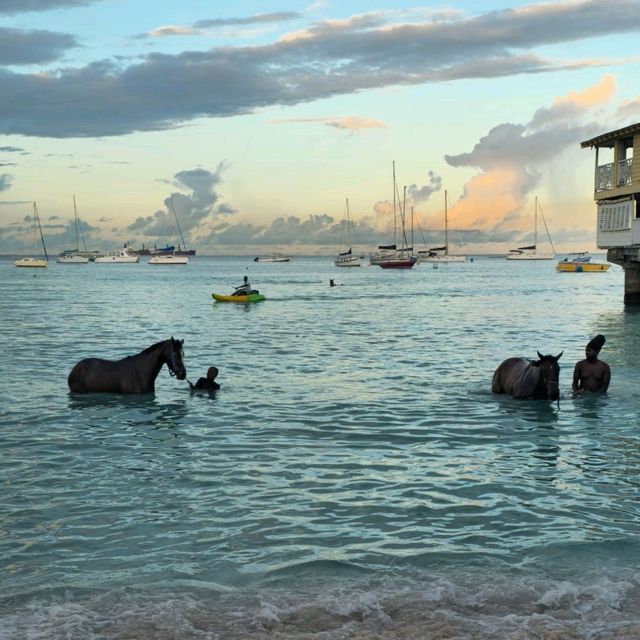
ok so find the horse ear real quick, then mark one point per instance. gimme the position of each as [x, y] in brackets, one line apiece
[182, 342]
[540, 356]
[559, 355]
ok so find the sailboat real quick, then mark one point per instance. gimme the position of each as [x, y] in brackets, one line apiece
[403, 257]
[74, 257]
[168, 255]
[346, 258]
[33, 261]
[441, 254]
[531, 252]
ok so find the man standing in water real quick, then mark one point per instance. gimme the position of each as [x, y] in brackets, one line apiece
[592, 374]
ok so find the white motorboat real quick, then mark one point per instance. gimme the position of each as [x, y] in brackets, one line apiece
[117, 257]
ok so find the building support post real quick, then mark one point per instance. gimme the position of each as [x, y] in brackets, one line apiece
[632, 283]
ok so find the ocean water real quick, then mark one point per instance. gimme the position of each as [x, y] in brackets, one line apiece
[353, 478]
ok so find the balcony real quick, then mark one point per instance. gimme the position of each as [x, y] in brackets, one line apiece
[605, 179]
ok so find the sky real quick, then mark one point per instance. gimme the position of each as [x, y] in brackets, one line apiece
[256, 121]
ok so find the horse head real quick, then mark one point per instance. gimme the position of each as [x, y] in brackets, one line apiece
[550, 374]
[175, 359]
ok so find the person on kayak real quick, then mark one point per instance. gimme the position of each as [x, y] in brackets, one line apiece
[244, 289]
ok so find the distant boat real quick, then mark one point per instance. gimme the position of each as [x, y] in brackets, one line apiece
[169, 254]
[117, 257]
[531, 252]
[169, 259]
[346, 258]
[403, 257]
[441, 254]
[274, 257]
[33, 261]
[74, 256]
[580, 262]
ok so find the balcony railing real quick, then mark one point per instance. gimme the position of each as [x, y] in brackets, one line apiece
[624, 172]
[604, 175]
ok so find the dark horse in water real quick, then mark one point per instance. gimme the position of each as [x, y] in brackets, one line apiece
[133, 374]
[524, 378]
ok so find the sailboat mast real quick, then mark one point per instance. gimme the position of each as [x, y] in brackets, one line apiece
[394, 203]
[75, 217]
[535, 225]
[37, 219]
[412, 228]
[348, 225]
[446, 225]
[175, 215]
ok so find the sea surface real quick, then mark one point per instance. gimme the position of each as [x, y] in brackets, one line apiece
[354, 477]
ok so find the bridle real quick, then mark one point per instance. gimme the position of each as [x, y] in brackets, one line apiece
[548, 381]
[171, 360]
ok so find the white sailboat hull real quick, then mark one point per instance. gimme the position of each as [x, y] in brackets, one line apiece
[530, 256]
[32, 262]
[74, 259]
[166, 260]
[442, 258]
[348, 261]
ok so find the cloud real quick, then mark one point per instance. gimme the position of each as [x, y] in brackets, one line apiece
[319, 231]
[9, 7]
[629, 110]
[30, 47]
[512, 157]
[421, 194]
[259, 18]
[347, 123]
[195, 211]
[109, 98]
[164, 32]
[198, 28]
[5, 181]
[11, 150]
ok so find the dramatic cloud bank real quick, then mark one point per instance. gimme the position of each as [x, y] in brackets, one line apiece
[511, 158]
[108, 98]
[8, 7]
[19, 47]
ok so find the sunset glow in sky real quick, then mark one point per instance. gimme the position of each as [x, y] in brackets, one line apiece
[261, 118]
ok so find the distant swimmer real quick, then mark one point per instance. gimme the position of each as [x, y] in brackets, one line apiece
[209, 382]
[592, 374]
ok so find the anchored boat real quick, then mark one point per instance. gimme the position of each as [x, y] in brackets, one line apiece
[581, 263]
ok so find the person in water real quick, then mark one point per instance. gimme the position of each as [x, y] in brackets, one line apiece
[244, 289]
[209, 382]
[592, 374]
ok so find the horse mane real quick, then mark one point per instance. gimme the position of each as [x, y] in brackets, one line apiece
[153, 347]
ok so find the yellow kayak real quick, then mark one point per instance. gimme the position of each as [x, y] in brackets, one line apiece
[252, 297]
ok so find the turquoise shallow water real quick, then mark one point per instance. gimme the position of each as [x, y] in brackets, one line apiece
[353, 478]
